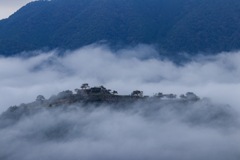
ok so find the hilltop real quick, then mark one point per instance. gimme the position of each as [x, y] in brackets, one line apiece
[77, 122]
[101, 95]
[93, 98]
[97, 96]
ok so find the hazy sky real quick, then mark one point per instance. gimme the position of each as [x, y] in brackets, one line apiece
[8, 7]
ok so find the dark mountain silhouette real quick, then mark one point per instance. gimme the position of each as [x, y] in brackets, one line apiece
[191, 26]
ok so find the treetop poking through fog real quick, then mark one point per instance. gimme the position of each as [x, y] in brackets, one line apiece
[216, 77]
[91, 123]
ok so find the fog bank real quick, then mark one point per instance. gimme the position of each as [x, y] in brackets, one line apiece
[151, 130]
[22, 79]
[158, 130]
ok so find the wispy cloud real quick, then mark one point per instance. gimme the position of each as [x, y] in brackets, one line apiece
[22, 79]
[144, 131]
[141, 131]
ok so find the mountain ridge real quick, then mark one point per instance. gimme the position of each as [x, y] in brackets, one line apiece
[190, 26]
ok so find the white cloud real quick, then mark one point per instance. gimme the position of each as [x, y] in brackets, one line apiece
[152, 132]
[156, 131]
[22, 79]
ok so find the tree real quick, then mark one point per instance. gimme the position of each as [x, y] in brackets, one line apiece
[192, 96]
[65, 94]
[103, 88]
[84, 86]
[114, 92]
[182, 96]
[170, 96]
[137, 93]
[40, 98]
[77, 90]
[159, 95]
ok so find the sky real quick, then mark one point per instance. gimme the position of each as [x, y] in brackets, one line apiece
[208, 129]
[8, 7]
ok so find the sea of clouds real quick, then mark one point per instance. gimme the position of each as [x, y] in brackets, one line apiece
[207, 130]
[23, 78]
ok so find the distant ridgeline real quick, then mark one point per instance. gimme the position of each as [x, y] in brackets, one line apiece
[192, 26]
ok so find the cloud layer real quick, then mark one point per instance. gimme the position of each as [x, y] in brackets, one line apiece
[140, 131]
[145, 131]
[22, 79]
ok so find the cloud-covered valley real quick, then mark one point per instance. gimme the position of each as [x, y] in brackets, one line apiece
[207, 129]
[22, 79]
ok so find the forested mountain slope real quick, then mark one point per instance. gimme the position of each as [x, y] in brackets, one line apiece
[191, 26]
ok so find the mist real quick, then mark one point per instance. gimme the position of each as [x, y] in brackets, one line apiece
[208, 129]
[22, 78]
[151, 130]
